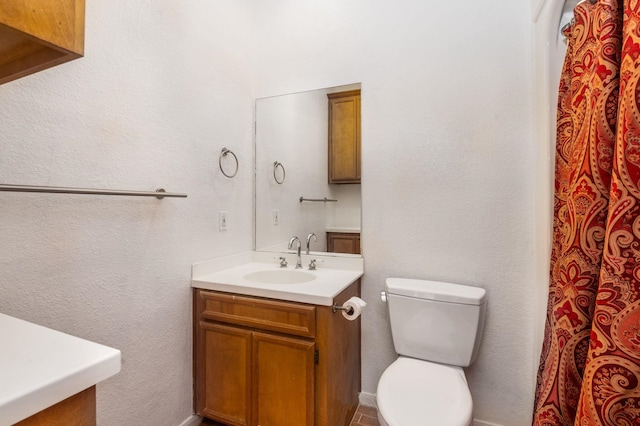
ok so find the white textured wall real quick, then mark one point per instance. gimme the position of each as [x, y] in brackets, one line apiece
[447, 169]
[163, 87]
[448, 159]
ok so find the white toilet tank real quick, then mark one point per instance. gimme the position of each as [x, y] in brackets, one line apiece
[435, 321]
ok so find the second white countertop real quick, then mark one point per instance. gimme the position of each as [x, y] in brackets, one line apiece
[40, 367]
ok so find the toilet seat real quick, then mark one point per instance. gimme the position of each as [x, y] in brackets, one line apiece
[413, 392]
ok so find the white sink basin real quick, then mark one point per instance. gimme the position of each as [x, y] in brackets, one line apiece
[280, 276]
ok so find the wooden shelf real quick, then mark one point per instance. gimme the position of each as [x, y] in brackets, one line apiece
[39, 34]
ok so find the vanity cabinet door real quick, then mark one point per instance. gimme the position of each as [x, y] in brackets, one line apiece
[344, 137]
[283, 380]
[225, 374]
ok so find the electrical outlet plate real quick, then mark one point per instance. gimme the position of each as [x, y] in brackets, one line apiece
[222, 221]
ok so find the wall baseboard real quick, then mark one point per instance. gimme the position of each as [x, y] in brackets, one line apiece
[192, 420]
[367, 399]
[477, 422]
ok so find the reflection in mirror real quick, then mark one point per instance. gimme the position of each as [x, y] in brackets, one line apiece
[292, 161]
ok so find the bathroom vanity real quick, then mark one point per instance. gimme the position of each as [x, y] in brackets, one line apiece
[261, 360]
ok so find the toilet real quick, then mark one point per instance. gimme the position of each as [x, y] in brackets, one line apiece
[436, 329]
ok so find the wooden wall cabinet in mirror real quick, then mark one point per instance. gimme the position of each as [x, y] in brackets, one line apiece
[39, 34]
[344, 137]
[343, 242]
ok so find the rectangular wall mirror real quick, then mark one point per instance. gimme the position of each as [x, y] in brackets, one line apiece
[307, 165]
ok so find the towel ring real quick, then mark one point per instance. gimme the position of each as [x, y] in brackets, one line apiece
[224, 153]
[275, 174]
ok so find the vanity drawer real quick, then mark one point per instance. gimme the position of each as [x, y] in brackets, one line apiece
[283, 317]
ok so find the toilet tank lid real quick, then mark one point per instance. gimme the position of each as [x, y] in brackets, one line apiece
[434, 290]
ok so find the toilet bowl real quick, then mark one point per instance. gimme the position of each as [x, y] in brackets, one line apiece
[413, 392]
[436, 329]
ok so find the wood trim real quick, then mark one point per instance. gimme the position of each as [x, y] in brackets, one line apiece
[198, 354]
[345, 94]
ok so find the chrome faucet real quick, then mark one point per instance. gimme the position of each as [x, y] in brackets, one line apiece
[309, 240]
[291, 241]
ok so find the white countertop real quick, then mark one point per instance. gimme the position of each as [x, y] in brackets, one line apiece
[343, 230]
[332, 276]
[40, 367]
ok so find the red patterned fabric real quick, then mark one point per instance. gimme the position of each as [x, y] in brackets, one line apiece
[590, 366]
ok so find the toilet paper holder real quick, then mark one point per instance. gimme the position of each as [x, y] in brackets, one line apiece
[347, 309]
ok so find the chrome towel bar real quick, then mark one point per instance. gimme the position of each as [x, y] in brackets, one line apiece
[158, 193]
[318, 200]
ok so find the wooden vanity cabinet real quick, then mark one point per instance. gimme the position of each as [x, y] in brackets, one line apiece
[344, 137]
[38, 34]
[266, 362]
[343, 242]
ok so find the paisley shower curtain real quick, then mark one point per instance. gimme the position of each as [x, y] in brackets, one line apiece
[590, 365]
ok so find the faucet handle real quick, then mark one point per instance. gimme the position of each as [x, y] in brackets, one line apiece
[312, 265]
[283, 261]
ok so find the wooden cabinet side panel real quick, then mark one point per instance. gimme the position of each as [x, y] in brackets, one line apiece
[57, 23]
[283, 381]
[338, 375]
[77, 410]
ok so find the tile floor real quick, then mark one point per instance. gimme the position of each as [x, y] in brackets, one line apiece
[365, 416]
